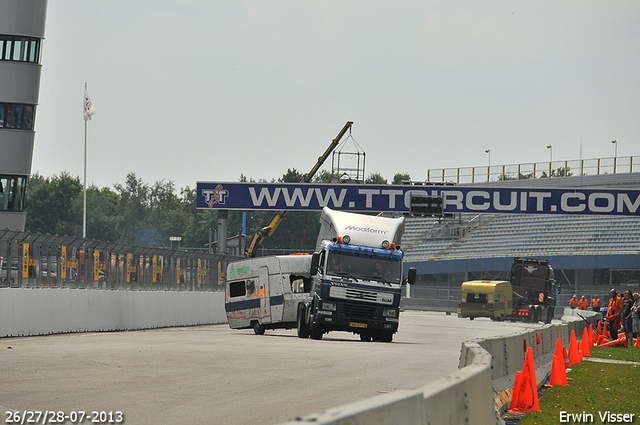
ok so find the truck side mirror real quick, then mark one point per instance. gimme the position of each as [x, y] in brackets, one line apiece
[411, 277]
[315, 260]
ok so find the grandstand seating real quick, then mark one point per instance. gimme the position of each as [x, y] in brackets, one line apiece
[505, 235]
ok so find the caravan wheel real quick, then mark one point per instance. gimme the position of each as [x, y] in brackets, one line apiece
[258, 328]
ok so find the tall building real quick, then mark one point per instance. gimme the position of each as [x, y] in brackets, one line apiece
[21, 34]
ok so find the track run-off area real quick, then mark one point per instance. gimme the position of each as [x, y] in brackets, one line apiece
[212, 374]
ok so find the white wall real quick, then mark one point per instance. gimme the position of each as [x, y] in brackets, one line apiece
[48, 311]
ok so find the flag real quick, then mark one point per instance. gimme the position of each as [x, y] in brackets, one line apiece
[88, 106]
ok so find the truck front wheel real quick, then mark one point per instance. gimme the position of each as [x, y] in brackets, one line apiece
[550, 311]
[316, 332]
[303, 328]
[383, 336]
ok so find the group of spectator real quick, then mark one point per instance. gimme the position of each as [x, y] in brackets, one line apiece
[623, 313]
[583, 303]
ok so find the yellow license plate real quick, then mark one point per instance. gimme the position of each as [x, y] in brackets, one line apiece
[357, 325]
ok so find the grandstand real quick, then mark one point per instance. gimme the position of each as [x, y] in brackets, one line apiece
[587, 251]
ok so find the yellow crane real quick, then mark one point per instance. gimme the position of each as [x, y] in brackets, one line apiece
[278, 216]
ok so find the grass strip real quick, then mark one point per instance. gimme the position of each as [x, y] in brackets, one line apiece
[598, 393]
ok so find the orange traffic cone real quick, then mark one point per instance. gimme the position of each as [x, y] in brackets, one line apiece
[579, 344]
[620, 342]
[592, 336]
[558, 373]
[601, 340]
[637, 342]
[515, 395]
[574, 354]
[559, 348]
[567, 363]
[585, 343]
[599, 327]
[526, 393]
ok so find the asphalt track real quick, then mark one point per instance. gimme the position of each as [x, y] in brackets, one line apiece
[215, 375]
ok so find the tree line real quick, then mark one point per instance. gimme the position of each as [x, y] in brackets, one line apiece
[141, 214]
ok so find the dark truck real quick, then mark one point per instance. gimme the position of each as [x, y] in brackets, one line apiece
[534, 290]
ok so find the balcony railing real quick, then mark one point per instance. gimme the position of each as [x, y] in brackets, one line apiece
[535, 170]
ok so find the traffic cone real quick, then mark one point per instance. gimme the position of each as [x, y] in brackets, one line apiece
[599, 327]
[567, 363]
[585, 343]
[637, 342]
[620, 342]
[601, 340]
[592, 336]
[559, 348]
[558, 373]
[515, 395]
[574, 354]
[579, 344]
[526, 393]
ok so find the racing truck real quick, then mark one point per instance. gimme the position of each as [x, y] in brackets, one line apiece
[534, 290]
[356, 277]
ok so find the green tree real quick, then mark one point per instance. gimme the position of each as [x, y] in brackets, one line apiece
[375, 178]
[291, 176]
[102, 214]
[52, 204]
[323, 176]
[398, 178]
[559, 172]
[132, 223]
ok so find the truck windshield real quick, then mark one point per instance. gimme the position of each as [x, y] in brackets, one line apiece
[382, 269]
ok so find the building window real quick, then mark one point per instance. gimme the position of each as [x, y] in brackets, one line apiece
[16, 116]
[12, 193]
[19, 48]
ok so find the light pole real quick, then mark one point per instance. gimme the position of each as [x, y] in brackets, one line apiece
[488, 151]
[615, 154]
[550, 147]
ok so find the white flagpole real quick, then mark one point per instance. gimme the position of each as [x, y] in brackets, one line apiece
[87, 112]
[84, 209]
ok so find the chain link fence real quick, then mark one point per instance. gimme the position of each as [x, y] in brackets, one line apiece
[34, 260]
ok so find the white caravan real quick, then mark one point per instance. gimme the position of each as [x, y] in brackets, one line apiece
[264, 293]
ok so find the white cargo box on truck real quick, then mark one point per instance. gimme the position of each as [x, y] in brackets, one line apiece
[362, 230]
[264, 292]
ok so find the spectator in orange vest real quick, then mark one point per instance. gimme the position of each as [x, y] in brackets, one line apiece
[595, 303]
[573, 302]
[613, 314]
[583, 304]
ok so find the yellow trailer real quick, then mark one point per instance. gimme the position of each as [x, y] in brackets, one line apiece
[486, 298]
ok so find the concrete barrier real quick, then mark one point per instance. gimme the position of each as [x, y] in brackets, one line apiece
[26, 312]
[474, 394]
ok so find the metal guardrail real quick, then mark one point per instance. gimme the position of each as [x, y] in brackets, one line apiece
[535, 170]
[519, 254]
[35, 260]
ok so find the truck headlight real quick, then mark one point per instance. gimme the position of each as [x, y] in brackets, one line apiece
[328, 306]
[390, 312]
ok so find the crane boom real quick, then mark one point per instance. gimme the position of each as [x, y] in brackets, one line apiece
[278, 216]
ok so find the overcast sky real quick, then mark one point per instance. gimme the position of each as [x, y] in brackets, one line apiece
[193, 91]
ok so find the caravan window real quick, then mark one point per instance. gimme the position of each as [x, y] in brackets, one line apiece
[300, 284]
[237, 289]
[477, 298]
